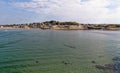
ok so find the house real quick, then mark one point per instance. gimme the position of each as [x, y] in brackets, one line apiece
[1, 27]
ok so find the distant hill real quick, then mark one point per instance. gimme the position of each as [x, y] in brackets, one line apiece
[56, 25]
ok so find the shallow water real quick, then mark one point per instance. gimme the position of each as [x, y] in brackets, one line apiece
[57, 51]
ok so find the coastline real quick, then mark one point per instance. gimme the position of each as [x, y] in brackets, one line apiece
[56, 25]
[56, 29]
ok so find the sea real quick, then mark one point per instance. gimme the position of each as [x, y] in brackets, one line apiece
[59, 51]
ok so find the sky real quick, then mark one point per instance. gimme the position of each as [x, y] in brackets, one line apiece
[82, 11]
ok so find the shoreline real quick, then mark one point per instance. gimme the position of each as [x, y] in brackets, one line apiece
[57, 29]
[56, 25]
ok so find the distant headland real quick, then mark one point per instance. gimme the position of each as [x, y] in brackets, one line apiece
[56, 25]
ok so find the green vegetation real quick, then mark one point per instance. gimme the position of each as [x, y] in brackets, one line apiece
[72, 23]
[63, 25]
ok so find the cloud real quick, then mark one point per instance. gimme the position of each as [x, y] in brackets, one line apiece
[88, 11]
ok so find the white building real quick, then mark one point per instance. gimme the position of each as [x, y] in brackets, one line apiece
[1, 26]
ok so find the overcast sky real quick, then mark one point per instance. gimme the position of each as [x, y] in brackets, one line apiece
[83, 11]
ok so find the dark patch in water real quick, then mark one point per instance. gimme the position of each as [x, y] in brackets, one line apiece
[100, 56]
[64, 62]
[114, 67]
[116, 59]
[93, 62]
[67, 62]
[70, 46]
[100, 67]
[36, 61]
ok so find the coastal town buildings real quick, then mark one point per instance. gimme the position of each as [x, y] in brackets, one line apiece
[55, 25]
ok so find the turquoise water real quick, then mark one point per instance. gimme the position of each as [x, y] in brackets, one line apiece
[57, 51]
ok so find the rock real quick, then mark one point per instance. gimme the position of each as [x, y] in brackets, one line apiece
[110, 66]
[116, 59]
[113, 67]
[37, 61]
[100, 67]
[93, 61]
[100, 56]
[64, 62]
[69, 46]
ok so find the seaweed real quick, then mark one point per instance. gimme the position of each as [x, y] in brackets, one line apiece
[70, 46]
[100, 67]
[116, 59]
[67, 62]
[100, 56]
[114, 67]
[64, 62]
[36, 61]
[93, 62]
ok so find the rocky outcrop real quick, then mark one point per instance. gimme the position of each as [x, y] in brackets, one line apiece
[112, 67]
